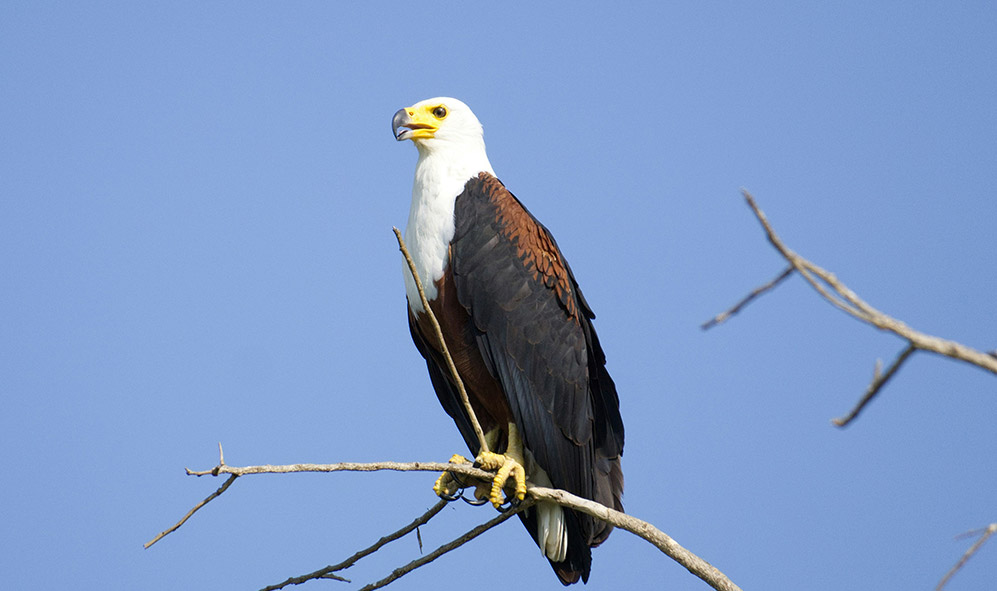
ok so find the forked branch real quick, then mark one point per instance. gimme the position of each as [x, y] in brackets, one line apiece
[839, 295]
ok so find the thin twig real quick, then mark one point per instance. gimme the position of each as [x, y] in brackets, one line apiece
[723, 316]
[878, 380]
[326, 573]
[443, 344]
[322, 573]
[207, 500]
[987, 532]
[451, 545]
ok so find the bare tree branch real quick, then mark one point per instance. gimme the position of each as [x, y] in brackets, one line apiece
[214, 471]
[697, 566]
[456, 543]
[662, 541]
[839, 295]
[183, 519]
[326, 573]
[849, 301]
[986, 533]
[443, 344]
[465, 469]
[761, 289]
[878, 379]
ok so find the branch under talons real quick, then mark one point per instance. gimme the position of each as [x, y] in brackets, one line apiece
[839, 295]
[697, 566]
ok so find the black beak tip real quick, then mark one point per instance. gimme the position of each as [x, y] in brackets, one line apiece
[401, 117]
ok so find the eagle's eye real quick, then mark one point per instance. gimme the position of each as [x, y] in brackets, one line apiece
[440, 112]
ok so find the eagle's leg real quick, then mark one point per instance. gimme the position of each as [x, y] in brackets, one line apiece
[507, 465]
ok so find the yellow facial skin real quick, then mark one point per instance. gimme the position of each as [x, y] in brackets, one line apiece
[419, 122]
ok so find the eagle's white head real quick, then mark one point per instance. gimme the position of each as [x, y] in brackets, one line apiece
[442, 119]
[444, 127]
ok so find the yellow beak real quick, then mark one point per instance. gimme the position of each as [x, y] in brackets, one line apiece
[414, 124]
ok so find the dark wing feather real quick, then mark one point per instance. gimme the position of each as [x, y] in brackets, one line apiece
[534, 331]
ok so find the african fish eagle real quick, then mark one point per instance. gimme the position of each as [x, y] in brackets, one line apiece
[519, 331]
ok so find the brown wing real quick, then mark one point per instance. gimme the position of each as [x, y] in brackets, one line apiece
[534, 331]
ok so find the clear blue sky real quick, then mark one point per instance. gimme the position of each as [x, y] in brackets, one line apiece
[196, 205]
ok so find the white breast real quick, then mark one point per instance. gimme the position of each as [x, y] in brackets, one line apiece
[440, 176]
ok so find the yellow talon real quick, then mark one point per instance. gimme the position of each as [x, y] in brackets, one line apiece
[446, 484]
[506, 467]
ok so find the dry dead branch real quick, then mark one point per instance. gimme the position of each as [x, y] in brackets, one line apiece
[327, 572]
[697, 566]
[839, 295]
[984, 534]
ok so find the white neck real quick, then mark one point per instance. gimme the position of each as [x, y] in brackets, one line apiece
[443, 169]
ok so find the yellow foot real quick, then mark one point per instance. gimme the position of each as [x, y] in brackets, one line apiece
[446, 485]
[506, 467]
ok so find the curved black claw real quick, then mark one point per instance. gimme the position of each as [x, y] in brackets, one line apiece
[473, 501]
[459, 492]
[509, 505]
[452, 497]
[456, 478]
